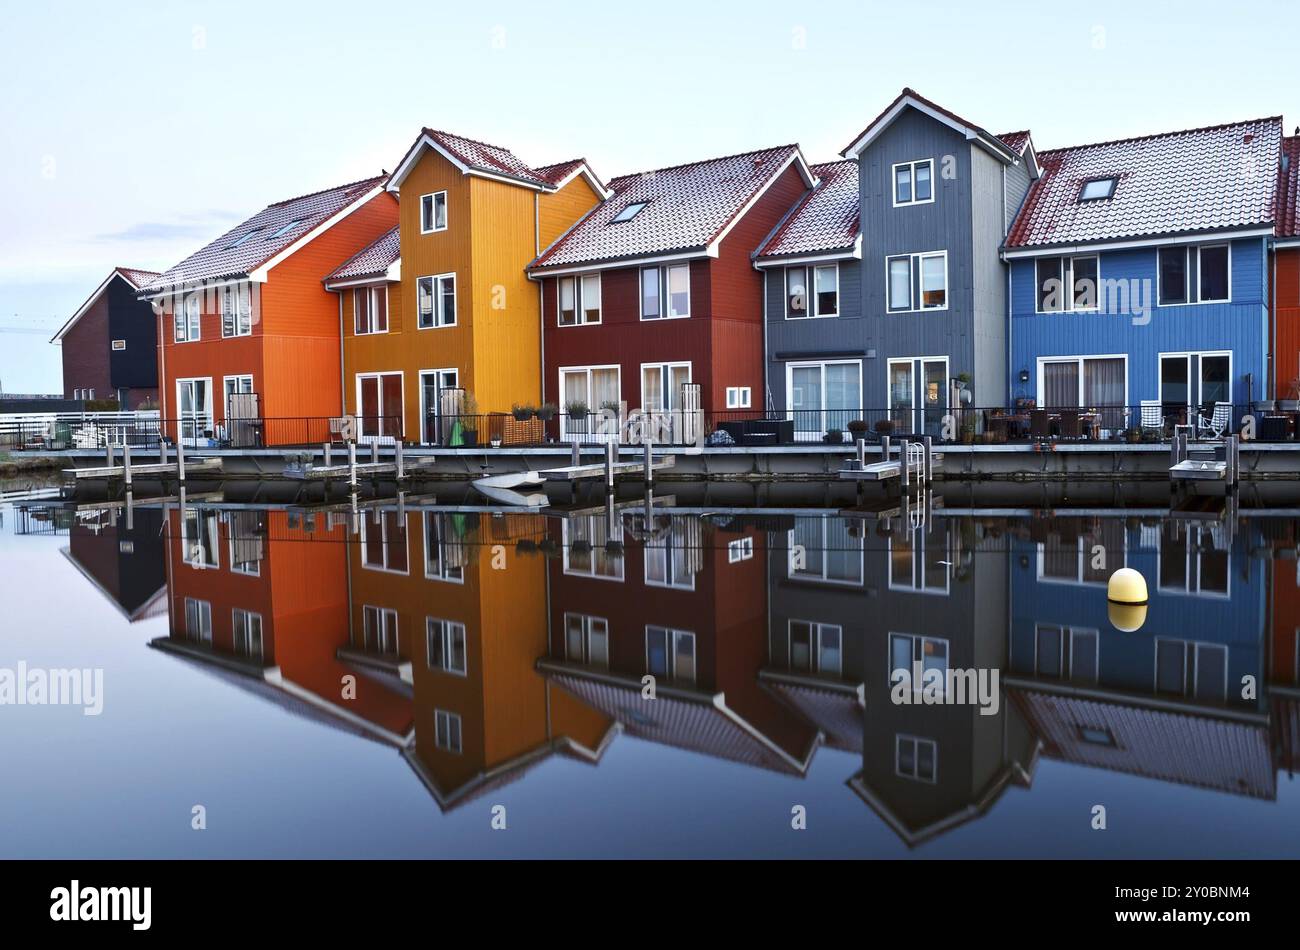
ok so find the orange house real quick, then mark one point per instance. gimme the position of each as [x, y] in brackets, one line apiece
[249, 350]
[1286, 274]
[441, 310]
[448, 604]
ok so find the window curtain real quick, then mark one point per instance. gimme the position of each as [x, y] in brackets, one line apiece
[1061, 385]
[1103, 388]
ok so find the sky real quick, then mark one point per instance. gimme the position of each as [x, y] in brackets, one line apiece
[135, 132]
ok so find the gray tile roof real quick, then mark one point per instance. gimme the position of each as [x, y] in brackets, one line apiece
[372, 261]
[1210, 179]
[686, 207]
[295, 217]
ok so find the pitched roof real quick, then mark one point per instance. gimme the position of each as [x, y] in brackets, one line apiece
[554, 174]
[824, 219]
[1016, 141]
[372, 261]
[482, 156]
[1288, 188]
[132, 275]
[1217, 178]
[267, 233]
[686, 208]
[910, 97]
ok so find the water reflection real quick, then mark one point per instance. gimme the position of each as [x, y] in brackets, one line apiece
[479, 644]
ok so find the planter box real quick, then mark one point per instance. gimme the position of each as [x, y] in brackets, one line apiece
[525, 432]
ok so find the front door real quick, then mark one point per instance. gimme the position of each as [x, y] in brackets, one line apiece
[194, 399]
[433, 382]
[918, 394]
[661, 394]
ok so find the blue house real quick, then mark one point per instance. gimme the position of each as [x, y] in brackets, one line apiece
[1139, 273]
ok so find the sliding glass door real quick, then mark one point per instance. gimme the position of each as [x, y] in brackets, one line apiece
[194, 402]
[1087, 382]
[823, 396]
[379, 404]
[918, 394]
[435, 422]
[584, 390]
[1195, 380]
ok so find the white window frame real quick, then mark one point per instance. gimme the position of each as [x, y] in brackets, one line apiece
[663, 271]
[1187, 356]
[739, 397]
[439, 312]
[446, 631]
[673, 635]
[588, 624]
[741, 549]
[1189, 683]
[1079, 361]
[915, 276]
[568, 526]
[1193, 586]
[1084, 555]
[433, 212]
[1192, 293]
[579, 300]
[899, 739]
[203, 615]
[445, 574]
[384, 414]
[817, 628]
[241, 626]
[804, 575]
[386, 621]
[917, 551]
[367, 525]
[1067, 284]
[241, 293]
[371, 295]
[1068, 652]
[187, 322]
[442, 723]
[911, 176]
[212, 529]
[670, 557]
[594, 411]
[918, 641]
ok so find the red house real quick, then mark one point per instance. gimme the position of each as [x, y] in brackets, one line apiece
[655, 288]
[110, 347]
[1286, 289]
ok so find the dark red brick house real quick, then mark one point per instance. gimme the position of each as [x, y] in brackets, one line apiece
[110, 345]
[655, 287]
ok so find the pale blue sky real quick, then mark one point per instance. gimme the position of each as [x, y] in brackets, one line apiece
[135, 132]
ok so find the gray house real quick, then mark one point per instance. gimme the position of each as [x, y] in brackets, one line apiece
[921, 305]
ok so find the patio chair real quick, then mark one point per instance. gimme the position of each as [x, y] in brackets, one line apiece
[1217, 424]
[1040, 426]
[1153, 415]
[1069, 424]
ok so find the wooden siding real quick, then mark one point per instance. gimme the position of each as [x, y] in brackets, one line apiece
[1286, 320]
[558, 211]
[85, 350]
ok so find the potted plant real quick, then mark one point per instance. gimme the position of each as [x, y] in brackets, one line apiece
[884, 426]
[857, 429]
[468, 420]
[968, 430]
[613, 406]
[523, 413]
[833, 436]
[962, 380]
[577, 410]
[546, 411]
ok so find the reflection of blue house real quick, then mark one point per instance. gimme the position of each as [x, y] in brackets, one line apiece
[1165, 701]
[1140, 272]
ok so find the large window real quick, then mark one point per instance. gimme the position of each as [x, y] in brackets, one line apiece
[1190, 562]
[579, 300]
[1195, 380]
[907, 650]
[1066, 653]
[919, 560]
[433, 212]
[1068, 283]
[379, 631]
[823, 396]
[823, 549]
[445, 645]
[436, 301]
[823, 301]
[917, 281]
[370, 310]
[586, 640]
[816, 647]
[918, 409]
[236, 310]
[1194, 274]
[1190, 668]
[247, 628]
[199, 537]
[446, 731]
[666, 292]
[441, 560]
[587, 548]
[914, 182]
[589, 389]
[198, 621]
[383, 545]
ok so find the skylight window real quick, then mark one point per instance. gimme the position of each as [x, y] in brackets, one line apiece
[245, 238]
[630, 212]
[1097, 189]
[288, 227]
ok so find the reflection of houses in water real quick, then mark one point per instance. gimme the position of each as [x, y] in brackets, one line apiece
[901, 592]
[1283, 537]
[1165, 701]
[259, 598]
[683, 601]
[122, 557]
[454, 604]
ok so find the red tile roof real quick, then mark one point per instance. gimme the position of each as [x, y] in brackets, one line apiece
[686, 208]
[918, 99]
[554, 174]
[220, 259]
[486, 158]
[138, 278]
[372, 261]
[825, 219]
[1016, 141]
[1288, 188]
[1211, 179]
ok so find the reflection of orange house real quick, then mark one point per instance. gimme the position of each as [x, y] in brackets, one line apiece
[685, 603]
[264, 602]
[1284, 660]
[437, 604]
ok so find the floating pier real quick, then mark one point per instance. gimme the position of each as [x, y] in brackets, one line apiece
[1198, 462]
[913, 468]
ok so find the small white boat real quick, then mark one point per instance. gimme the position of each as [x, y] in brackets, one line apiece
[501, 488]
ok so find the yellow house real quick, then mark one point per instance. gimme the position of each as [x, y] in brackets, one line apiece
[441, 325]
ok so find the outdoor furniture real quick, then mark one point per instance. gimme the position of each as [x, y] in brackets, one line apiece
[1040, 425]
[1217, 424]
[1153, 416]
[1069, 425]
[1274, 428]
[759, 431]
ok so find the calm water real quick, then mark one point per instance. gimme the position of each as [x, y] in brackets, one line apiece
[324, 684]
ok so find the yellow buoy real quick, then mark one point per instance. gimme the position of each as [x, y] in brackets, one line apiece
[1126, 593]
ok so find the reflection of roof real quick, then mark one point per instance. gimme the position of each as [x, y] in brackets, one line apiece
[1205, 751]
[698, 722]
[489, 780]
[268, 683]
[155, 605]
[837, 712]
[1286, 718]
